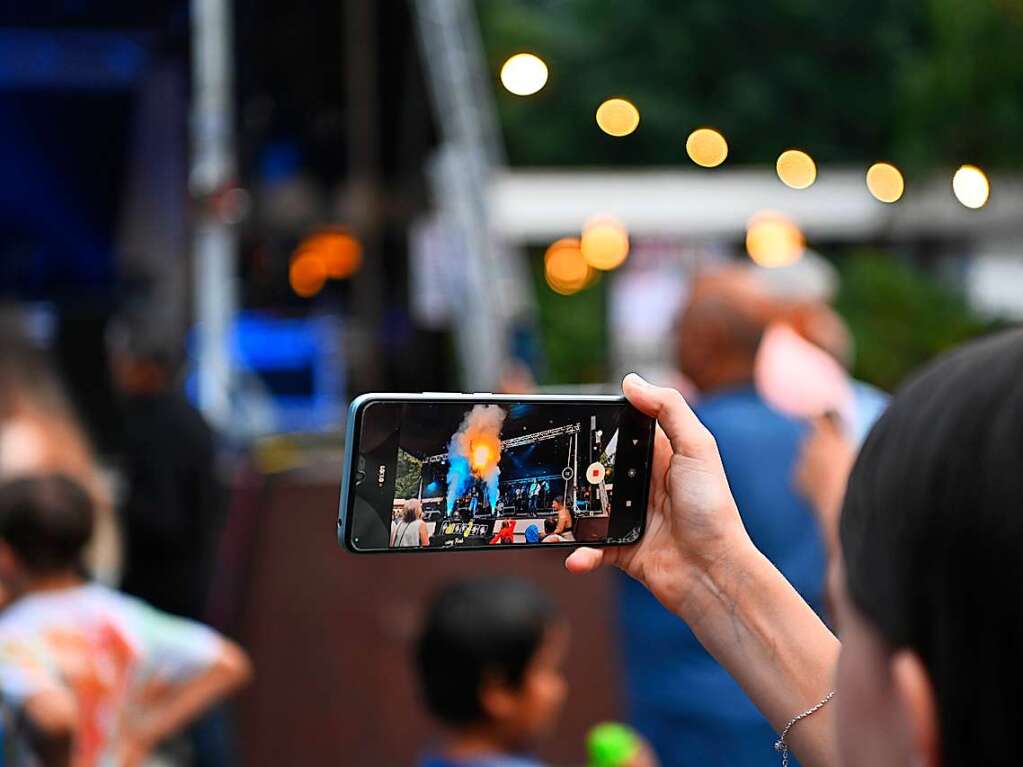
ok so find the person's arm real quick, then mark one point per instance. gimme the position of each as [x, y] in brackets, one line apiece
[51, 718]
[825, 460]
[562, 525]
[697, 559]
[424, 535]
[179, 704]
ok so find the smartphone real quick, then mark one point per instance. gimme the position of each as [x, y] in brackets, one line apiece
[440, 472]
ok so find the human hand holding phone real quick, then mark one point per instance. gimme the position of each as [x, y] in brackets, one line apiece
[698, 560]
[692, 523]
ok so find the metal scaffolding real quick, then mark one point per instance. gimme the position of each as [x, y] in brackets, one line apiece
[495, 292]
[525, 439]
[215, 243]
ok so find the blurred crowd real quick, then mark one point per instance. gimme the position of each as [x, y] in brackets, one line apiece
[96, 675]
[91, 675]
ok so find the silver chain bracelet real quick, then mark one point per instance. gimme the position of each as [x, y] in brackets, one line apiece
[780, 744]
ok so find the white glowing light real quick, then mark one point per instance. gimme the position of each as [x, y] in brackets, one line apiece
[971, 186]
[524, 74]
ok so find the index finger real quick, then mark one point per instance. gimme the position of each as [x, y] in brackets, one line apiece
[684, 431]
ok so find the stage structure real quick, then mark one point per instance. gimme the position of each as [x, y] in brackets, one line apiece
[568, 473]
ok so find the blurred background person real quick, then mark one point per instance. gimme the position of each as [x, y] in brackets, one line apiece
[136, 675]
[39, 433]
[174, 503]
[507, 688]
[506, 692]
[679, 697]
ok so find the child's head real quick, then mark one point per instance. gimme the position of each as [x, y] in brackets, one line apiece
[550, 525]
[489, 659]
[45, 523]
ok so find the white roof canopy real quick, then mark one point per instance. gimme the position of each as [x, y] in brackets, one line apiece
[536, 206]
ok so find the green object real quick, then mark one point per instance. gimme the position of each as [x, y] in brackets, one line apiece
[611, 745]
[900, 316]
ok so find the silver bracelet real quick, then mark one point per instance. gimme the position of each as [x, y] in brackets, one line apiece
[780, 744]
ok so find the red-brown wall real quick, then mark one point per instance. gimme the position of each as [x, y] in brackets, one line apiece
[330, 633]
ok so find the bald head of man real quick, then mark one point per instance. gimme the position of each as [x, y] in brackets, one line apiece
[721, 327]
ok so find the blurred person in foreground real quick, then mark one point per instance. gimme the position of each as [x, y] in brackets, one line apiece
[679, 697]
[174, 503]
[40, 433]
[101, 678]
[506, 690]
[928, 585]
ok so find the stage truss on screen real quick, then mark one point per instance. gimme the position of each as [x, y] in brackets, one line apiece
[572, 461]
[525, 439]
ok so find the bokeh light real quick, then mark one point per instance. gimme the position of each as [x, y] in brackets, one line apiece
[604, 243]
[307, 274]
[617, 117]
[971, 186]
[796, 169]
[706, 147]
[340, 252]
[773, 240]
[524, 74]
[565, 269]
[885, 182]
[332, 254]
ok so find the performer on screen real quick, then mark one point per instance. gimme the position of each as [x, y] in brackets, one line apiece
[564, 522]
[534, 497]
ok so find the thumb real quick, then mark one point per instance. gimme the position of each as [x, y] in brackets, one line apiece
[584, 560]
[673, 414]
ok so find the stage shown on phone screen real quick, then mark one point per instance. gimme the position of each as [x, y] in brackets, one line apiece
[497, 474]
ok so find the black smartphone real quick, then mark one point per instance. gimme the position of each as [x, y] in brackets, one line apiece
[437, 472]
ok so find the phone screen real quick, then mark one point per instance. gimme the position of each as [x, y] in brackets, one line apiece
[471, 473]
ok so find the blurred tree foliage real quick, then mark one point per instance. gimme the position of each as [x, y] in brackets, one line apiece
[848, 80]
[410, 472]
[575, 336]
[900, 317]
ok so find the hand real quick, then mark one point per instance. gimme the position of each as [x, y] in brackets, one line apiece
[692, 524]
[825, 460]
[133, 751]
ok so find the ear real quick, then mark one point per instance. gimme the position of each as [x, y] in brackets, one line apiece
[498, 701]
[916, 696]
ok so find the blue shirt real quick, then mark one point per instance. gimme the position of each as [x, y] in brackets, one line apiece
[495, 760]
[689, 708]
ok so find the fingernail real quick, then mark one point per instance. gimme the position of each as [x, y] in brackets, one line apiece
[638, 379]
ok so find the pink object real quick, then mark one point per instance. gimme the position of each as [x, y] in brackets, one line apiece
[800, 379]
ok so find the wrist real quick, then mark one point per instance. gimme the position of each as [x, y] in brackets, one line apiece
[718, 585]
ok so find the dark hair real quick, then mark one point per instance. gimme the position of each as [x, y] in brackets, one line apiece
[46, 520]
[487, 628]
[133, 336]
[559, 499]
[550, 525]
[932, 537]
